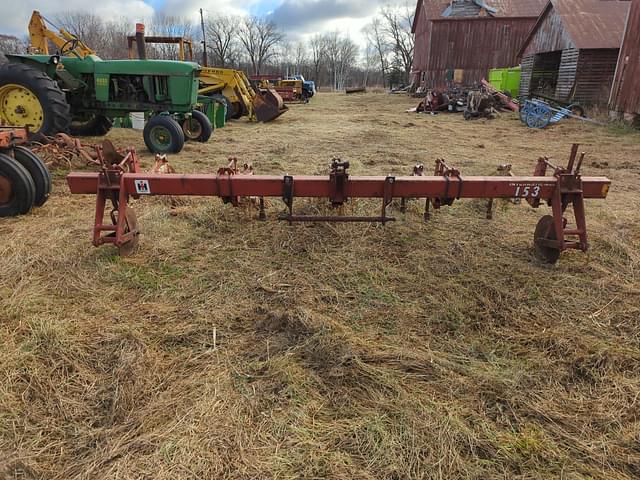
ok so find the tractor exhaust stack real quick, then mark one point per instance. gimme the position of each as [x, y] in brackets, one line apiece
[140, 44]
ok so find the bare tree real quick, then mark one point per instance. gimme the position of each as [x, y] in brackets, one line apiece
[397, 25]
[113, 44]
[300, 55]
[222, 37]
[10, 44]
[259, 38]
[375, 35]
[318, 48]
[168, 26]
[342, 54]
[86, 26]
[285, 57]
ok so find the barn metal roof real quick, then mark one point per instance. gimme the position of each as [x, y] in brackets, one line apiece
[436, 9]
[589, 23]
[594, 23]
[517, 8]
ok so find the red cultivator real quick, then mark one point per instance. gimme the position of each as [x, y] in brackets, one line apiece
[121, 179]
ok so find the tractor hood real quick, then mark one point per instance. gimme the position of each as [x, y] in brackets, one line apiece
[94, 64]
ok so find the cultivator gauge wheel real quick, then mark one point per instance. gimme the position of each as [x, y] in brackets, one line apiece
[545, 231]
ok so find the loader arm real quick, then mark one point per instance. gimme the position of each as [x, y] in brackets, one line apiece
[235, 85]
[40, 36]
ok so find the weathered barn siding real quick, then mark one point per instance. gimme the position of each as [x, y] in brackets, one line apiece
[422, 34]
[625, 94]
[473, 45]
[550, 35]
[422, 25]
[567, 73]
[476, 47]
[594, 75]
[526, 74]
[573, 47]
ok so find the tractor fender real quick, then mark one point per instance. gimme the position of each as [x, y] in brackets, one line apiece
[44, 63]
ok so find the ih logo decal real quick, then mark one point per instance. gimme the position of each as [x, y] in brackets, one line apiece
[142, 187]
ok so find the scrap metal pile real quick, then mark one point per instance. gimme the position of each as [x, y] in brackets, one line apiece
[120, 179]
[481, 101]
[62, 150]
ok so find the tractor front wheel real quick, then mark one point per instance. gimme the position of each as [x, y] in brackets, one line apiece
[28, 97]
[197, 127]
[162, 134]
[17, 190]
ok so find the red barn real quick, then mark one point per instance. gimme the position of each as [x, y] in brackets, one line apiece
[572, 51]
[625, 94]
[461, 40]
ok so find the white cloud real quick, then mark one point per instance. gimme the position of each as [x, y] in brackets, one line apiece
[300, 19]
[17, 22]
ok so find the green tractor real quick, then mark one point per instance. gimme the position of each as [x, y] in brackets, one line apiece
[75, 91]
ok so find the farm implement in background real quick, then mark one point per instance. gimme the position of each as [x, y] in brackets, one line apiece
[75, 91]
[25, 180]
[120, 179]
[225, 85]
[539, 114]
[291, 90]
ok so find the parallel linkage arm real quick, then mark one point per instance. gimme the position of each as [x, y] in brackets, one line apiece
[566, 187]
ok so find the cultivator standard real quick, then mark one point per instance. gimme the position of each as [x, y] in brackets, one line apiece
[121, 179]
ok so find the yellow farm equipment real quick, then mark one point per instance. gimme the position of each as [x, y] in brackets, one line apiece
[290, 89]
[226, 85]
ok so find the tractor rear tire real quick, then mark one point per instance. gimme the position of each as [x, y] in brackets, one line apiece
[38, 171]
[97, 126]
[162, 134]
[236, 110]
[197, 127]
[29, 97]
[17, 190]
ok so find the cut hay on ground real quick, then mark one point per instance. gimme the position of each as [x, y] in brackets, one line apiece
[232, 348]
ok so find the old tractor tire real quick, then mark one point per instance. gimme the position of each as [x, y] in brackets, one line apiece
[162, 134]
[96, 126]
[236, 110]
[576, 109]
[29, 97]
[38, 171]
[197, 127]
[17, 190]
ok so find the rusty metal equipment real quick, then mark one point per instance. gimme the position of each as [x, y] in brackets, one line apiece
[121, 180]
[290, 90]
[25, 181]
[62, 150]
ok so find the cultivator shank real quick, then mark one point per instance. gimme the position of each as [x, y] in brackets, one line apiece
[566, 187]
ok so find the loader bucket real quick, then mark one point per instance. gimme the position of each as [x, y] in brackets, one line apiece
[268, 105]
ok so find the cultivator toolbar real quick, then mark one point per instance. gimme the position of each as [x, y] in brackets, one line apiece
[121, 179]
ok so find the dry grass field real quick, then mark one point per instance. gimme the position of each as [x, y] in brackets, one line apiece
[226, 347]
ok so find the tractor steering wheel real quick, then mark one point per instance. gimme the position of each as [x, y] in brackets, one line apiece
[69, 46]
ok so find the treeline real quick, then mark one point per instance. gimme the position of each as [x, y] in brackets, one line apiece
[258, 45]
